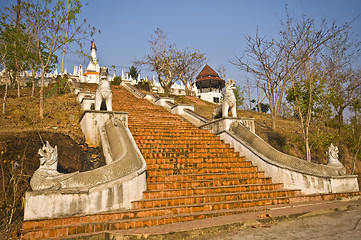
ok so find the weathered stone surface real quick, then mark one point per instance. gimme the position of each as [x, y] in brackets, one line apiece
[223, 124]
[92, 120]
[291, 171]
[108, 188]
[228, 102]
[103, 92]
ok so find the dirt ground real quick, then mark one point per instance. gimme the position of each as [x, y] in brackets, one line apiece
[22, 134]
[332, 226]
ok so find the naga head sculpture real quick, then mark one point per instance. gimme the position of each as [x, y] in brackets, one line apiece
[49, 157]
[332, 154]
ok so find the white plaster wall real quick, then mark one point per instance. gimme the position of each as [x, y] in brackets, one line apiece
[103, 198]
[92, 120]
[179, 109]
[86, 103]
[291, 179]
[209, 96]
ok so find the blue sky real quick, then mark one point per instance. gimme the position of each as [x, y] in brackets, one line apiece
[215, 27]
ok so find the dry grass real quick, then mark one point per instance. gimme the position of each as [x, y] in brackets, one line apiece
[61, 114]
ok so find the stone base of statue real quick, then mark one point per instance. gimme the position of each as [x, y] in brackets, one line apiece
[223, 124]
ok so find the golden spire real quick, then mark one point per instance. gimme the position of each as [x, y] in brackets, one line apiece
[93, 46]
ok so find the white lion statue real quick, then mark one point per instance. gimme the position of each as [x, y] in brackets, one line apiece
[103, 92]
[228, 102]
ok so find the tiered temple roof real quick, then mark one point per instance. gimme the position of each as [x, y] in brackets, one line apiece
[209, 78]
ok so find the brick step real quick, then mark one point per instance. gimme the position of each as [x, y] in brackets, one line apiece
[153, 164]
[153, 113]
[166, 193]
[190, 170]
[207, 183]
[173, 138]
[179, 141]
[166, 128]
[158, 117]
[176, 149]
[83, 226]
[160, 125]
[79, 226]
[201, 207]
[171, 132]
[193, 145]
[205, 176]
[189, 155]
[211, 198]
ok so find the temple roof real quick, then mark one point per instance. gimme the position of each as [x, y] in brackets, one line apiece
[209, 78]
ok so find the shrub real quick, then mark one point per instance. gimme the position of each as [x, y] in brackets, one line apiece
[59, 86]
[116, 80]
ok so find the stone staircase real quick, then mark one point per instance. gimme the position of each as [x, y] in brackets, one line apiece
[191, 174]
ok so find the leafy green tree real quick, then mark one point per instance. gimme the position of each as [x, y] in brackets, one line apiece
[48, 22]
[238, 93]
[133, 72]
[116, 80]
[304, 96]
[354, 130]
[15, 47]
[16, 44]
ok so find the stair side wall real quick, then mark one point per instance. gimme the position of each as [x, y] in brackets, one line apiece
[291, 178]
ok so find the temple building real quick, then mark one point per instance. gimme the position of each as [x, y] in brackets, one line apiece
[209, 85]
[91, 73]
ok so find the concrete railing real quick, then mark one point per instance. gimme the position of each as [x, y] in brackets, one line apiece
[82, 94]
[223, 124]
[87, 103]
[194, 117]
[293, 172]
[108, 188]
[133, 90]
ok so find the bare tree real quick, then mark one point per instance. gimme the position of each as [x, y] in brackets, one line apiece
[265, 60]
[247, 89]
[48, 22]
[81, 30]
[162, 60]
[189, 62]
[304, 41]
[221, 70]
[343, 83]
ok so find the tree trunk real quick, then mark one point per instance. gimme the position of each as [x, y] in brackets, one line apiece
[340, 118]
[273, 116]
[41, 106]
[307, 145]
[63, 57]
[32, 85]
[66, 37]
[18, 80]
[5, 96]
[166, 90]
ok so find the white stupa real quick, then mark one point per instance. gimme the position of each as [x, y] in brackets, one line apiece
[91, 74]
